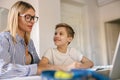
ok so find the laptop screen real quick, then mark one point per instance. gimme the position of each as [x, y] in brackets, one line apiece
[115, 71]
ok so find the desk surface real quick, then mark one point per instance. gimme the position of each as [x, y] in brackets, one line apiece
[106, 72]
[26, 78]
[103, 71]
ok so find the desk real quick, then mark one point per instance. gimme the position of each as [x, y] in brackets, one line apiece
[104, 72]
[25, 78]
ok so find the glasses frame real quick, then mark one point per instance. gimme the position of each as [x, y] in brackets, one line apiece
[34, 18]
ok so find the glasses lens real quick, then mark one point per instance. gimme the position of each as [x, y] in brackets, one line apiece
[28, 18]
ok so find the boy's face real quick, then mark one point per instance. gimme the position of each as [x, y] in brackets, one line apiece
[61, 37]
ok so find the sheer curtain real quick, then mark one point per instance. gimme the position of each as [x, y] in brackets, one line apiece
[85, 38]
[74, 16]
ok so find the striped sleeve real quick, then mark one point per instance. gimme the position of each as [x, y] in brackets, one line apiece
[4, 48]
[16, 70]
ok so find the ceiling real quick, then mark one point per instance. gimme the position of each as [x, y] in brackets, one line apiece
[81, 2]
[104, 2]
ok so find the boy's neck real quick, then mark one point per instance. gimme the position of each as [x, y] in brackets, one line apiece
[62, 49]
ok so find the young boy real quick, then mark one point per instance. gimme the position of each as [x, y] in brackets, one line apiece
[63, 57]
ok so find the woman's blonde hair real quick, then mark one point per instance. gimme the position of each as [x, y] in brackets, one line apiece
[12, 24]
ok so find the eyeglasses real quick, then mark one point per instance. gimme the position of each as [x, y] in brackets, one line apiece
[28, 17]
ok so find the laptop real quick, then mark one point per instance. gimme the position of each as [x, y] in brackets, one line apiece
[115, 70]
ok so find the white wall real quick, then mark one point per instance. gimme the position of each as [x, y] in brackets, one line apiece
[107, 13]
[110, 11]
[96, 17]
[3, 18]
[49, 16]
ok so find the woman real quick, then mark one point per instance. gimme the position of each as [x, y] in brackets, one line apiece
[16, 47]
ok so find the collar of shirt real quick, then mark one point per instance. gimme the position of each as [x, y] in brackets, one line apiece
[20, 39]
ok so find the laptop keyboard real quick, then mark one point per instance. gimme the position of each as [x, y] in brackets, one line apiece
[97, 68]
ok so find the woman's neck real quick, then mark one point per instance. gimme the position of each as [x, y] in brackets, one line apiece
[21, 33]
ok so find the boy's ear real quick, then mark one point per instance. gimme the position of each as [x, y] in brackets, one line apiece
[70, 39]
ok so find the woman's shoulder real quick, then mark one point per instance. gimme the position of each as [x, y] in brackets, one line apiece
[4, 34]
[4, 37]
[31, 42]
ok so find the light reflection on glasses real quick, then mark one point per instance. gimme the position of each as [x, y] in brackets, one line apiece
[28, 17]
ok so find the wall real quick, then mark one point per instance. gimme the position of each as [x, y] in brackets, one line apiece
[3, 18]
[108, 12]
[93, 32]
[49, 17]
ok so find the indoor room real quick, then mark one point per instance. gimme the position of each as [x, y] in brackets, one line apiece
[96, 24]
